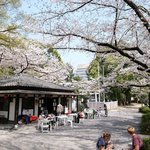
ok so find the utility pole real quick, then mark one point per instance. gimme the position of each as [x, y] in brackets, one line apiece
[98, 66]
[103, 75]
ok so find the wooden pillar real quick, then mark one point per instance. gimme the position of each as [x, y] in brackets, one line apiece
[16, 108]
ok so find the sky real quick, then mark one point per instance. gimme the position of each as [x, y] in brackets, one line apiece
[76, 58]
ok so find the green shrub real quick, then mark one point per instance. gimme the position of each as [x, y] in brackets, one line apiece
[144, 109]
[145, 124]
[147, 143]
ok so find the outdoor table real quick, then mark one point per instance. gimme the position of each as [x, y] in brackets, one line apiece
[62, 119]
[74, 116]
[89, 115]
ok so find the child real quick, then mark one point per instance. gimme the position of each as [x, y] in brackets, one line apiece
[104, 142]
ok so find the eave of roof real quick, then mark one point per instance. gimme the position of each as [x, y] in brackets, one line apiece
[30, 82]
[36, 92]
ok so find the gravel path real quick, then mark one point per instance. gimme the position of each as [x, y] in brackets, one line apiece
[81, 136]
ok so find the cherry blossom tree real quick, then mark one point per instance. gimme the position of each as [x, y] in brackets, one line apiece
[112, 27]
[36, 60]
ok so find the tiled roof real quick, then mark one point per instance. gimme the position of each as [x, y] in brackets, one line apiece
[29, 81]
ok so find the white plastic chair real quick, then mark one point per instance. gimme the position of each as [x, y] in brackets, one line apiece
[45, 126]
[70, 120]
[39, 123]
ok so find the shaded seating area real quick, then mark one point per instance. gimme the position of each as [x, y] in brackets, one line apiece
[51, 122]
[46, 123]
[24, 92]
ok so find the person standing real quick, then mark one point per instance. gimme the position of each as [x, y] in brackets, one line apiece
[99, 111]
[59, 109]
[137, 142]
[106, 110]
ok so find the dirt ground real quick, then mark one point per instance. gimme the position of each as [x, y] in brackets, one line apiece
[81, 136]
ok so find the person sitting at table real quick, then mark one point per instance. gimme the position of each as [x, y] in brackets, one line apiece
[52, 119]
[45, 112]
[42, 116]
[81, 116]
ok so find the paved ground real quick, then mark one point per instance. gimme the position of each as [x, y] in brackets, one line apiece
[80, 137]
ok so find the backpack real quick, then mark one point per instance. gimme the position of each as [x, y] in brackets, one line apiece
[100, 142]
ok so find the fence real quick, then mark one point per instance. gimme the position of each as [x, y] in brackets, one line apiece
[96, 105]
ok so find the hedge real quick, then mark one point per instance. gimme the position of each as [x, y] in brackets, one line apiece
[145, 124]
[144, 109]
[147, 143]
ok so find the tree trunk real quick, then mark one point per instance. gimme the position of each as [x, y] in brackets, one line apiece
[149, 99]
[128, 95]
